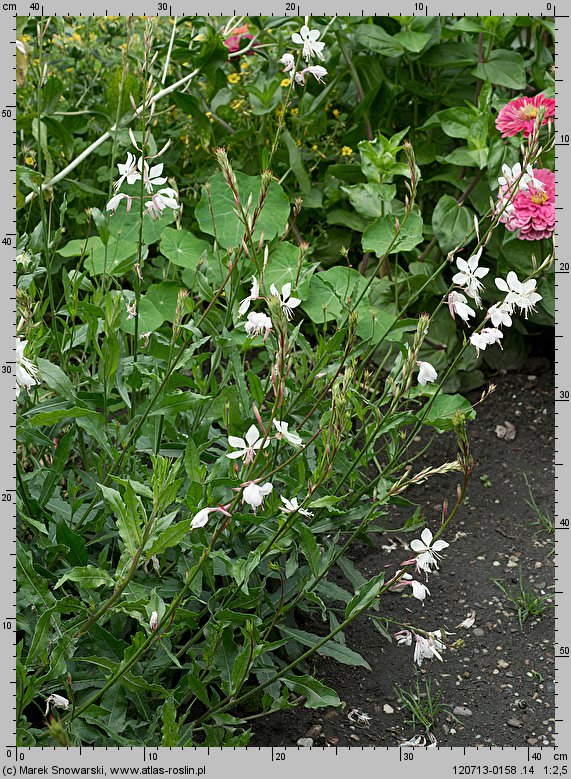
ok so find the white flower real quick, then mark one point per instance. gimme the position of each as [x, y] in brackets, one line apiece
[469, 275]
[113, 204]
[358, 716]
[247, 448]
[419, 590]
[308, 38]
[519, 293]
[486, 337]
[458, 304]
[512, 174]
[201, 518]
[131, 310]
[499, 313]
[286, 302]
[316, 70]
[469, 621]
[254, 294]
[20, 47]
[426, 373]
[257, 324]
[290, 506]
[283, 432]
[428, 647]
[427, 552]
[154, 621]
[128, 170]
[152, 176]
[56, 700]
[403, 637]
[288, 61]
[164, 198]
[26, 371]
[254, 494]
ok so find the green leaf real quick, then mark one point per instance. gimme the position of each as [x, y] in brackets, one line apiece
[451, 223]
[171, 536]
[374, 38]
[183, 248]
[309, 548]
[412, 41]
[126, 516]
[74, 542]
[57, 467]
[229, 228]
[87, 576]
[170, 729]
[331, 293]
[317, 695]
[503, 67]
[164, 297]
[150, 319]
[55, 378]
[332, 648]
[365, 596]
[380, 236]
[444, 408]
[369, 200]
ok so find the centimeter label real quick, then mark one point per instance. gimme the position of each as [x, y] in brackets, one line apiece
[254, 762]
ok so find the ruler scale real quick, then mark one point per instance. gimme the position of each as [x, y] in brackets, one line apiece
[536, 761]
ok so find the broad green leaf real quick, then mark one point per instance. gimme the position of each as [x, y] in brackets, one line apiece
[332, 292]
[444, 408]
[365, 596]
[380, 236]
[369, 200]
[374, 38]
[317, 695]
[503, 67]
[412, 41]
[309, 548]
[164, 297]
[170, 729]
[150, 319]
[171, 536]
[451, 223]
[87, 576]
[128, 521]
[55, 378]
[229, 228]
[183, 248]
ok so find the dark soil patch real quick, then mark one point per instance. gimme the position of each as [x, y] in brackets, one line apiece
[504, 676]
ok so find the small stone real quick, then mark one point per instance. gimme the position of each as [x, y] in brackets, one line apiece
[388, 709]
[478, 632]
[461, 711]
[549, 686]
[334, 740]
[314, 731]
[355, 737]
[514, 723]
[510, 674]
[531, 741]
[503, 664]
[305, 742]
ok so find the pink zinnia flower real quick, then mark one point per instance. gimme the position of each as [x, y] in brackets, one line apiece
[519, 114]
[533, 212]
[235, 42]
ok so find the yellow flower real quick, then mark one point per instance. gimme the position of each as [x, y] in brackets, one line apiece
[244, 65]
[233, 78]
[30, 160]
[336, 113]
[346, 151]
[236, 105]
[315, 147]
[294, 111]
[279, 110]
[284, 82]
[209, 115]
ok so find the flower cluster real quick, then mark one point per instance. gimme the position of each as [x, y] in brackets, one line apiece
[520, 115]
[532, 209]
[426, 647]
[156, 197]
[258, 323]
[311, 47]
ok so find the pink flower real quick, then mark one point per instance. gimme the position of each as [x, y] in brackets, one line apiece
[519, 114]
[234, 42]
[533, 212]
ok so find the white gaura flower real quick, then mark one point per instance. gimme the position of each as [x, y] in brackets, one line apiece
[57, 701]
[510, 176]
[419, 590]
[426, 373]
[499, 314]
[286, 302]
[254, 294]
[254, 494]
[312, 47]
[428, 647]
[26, 371]
[258, 323]
[288, 61]
[113, 204]
[403, 637]
[20, 47]
[247, 448]
[129, 171]
[457, 304]
[519, 293]
[486, 337]
[131, 310]
[151, 176]
[164, 198]
[154, 621]
[201, 518]
[289, 435]
[469, 275]
[427, 552]
[290, 506]
[316, 70]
